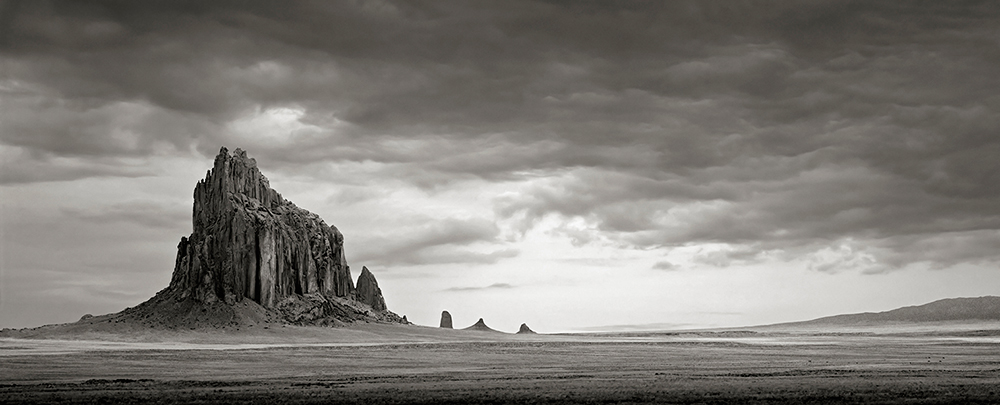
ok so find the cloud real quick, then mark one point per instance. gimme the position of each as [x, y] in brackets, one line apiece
[494, 286]
[665, 265]
[448, 256]
[845, 256]
[730, 255]
[21, 167]
[843, 133]
[432, 241]
[801, 211]
[150, 214]
[605, 262]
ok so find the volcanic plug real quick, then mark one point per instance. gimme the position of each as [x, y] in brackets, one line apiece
[254, 254]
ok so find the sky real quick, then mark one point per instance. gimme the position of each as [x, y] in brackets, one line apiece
[574, 165]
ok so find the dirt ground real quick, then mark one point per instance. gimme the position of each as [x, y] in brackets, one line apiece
[696, 368]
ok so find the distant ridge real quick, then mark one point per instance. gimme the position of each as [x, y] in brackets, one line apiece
[950, 309]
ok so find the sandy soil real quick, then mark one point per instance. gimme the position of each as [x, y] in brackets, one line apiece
[394, 364]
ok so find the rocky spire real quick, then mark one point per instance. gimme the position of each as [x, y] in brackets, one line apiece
[368, 291]
[250, 243]
[445, 320]
[525, 330]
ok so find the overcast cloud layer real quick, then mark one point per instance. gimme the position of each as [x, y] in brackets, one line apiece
[842, 136]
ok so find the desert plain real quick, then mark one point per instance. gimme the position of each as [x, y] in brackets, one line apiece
[381, 363]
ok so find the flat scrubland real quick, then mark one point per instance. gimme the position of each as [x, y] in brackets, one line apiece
[371, 363]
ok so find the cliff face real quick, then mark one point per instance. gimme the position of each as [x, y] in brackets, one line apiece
[250, 243]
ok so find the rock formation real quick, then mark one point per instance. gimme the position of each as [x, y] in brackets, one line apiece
[445, 320]
[250, 245]
[480, 325]
[525, 330]
[368, 291]
[249, 242]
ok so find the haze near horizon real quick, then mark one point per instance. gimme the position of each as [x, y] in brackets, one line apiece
[572, 166]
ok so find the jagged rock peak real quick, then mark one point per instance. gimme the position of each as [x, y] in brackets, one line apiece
[525, 329]
[480, 325]
[368, 291]
[237, 174]
[445, 320]
[249, 242]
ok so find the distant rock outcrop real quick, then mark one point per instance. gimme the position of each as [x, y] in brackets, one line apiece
[951, 309]
[525, 330]
[480, 325]
[368, 291]
[445, 320]
[252, 247]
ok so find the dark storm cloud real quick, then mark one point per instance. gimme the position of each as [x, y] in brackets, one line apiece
[433, 242]
[778, 128]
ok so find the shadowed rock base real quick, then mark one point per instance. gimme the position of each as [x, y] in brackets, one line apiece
[167, 310]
